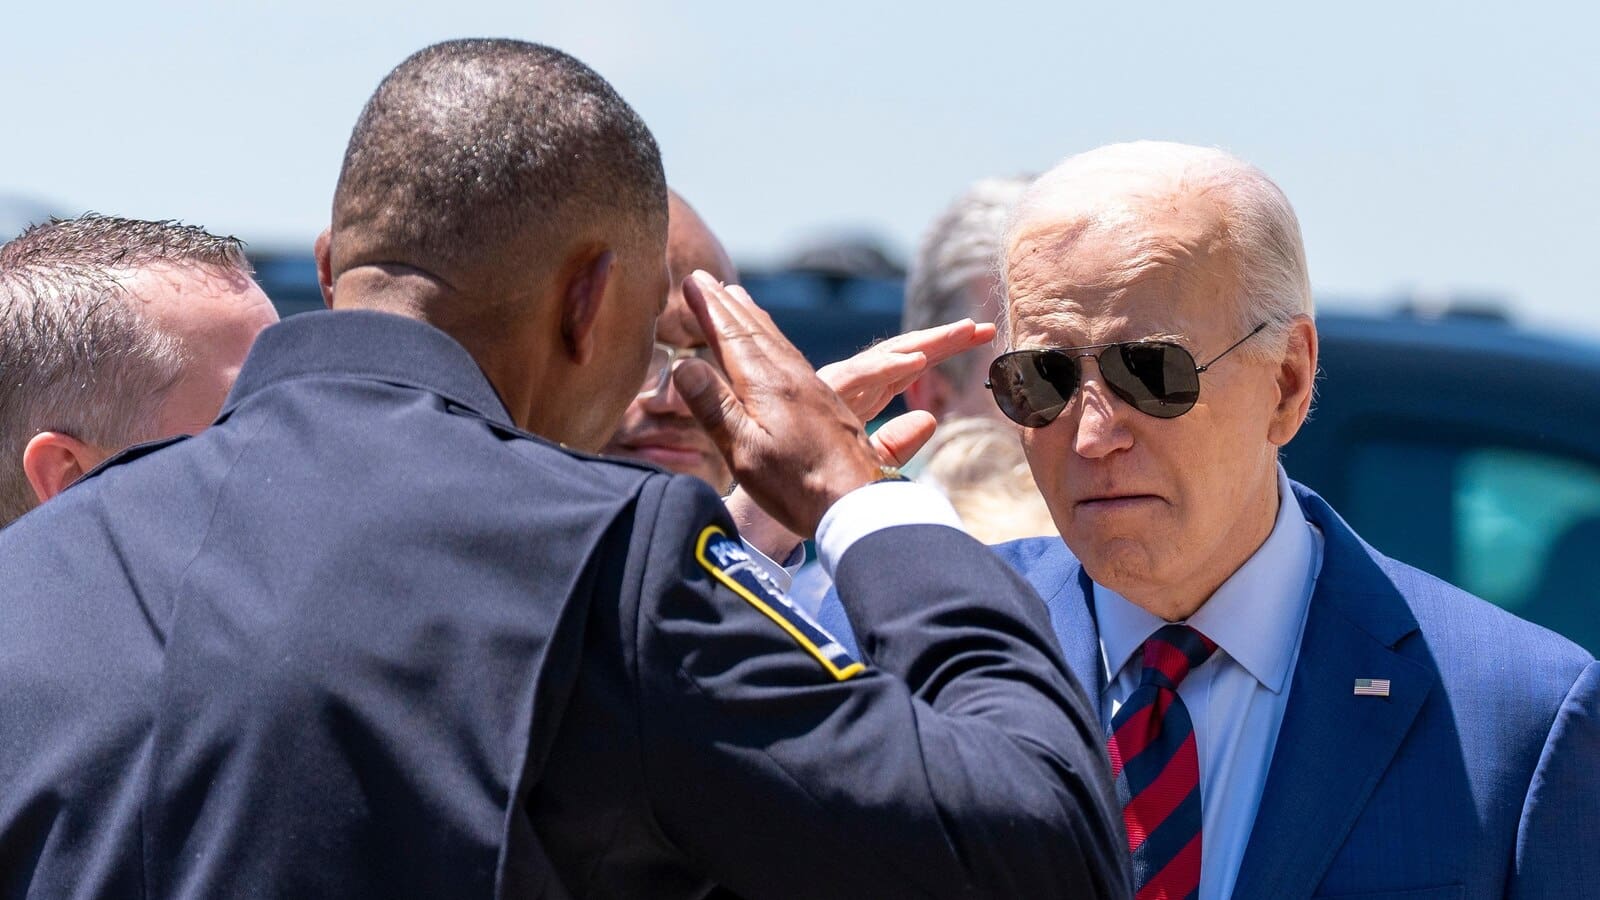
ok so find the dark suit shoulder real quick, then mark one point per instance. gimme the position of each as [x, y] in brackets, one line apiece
[1448, 615]
[606, 473]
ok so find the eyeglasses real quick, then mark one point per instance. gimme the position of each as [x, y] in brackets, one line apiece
[1158, 378]
[661, 360]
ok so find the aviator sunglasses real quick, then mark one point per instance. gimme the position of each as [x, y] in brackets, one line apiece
[1158, 378]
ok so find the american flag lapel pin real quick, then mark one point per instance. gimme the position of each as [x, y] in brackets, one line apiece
[1372, 687]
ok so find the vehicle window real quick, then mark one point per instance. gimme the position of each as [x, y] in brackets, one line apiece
[1519, 528]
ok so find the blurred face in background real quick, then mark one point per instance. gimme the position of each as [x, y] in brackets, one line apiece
[657, 427]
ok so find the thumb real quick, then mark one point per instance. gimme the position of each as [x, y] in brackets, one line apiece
[711, 402]
[899, 439]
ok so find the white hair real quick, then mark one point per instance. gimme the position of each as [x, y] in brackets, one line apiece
[963, 243]
[1115, 185]
[978, 463]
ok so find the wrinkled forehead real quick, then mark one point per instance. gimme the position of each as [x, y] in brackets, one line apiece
[1117, 274]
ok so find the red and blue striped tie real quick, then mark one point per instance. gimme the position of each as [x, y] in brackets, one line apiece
[1157, 769]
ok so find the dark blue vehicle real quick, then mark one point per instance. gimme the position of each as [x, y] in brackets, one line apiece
[1459, 444]
[1470, 449]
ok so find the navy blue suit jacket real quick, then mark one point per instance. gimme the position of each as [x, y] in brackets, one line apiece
[365, 638]
[1478, 777]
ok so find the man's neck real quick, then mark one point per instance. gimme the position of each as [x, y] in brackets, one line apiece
[512, 370]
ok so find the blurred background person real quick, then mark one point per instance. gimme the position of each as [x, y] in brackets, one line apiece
[657, 427]
[113, 331]
[956, 275]
[978, 463]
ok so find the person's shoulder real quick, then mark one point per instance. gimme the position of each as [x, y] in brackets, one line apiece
[1454, 619]
[1027, 554]
[572, 468]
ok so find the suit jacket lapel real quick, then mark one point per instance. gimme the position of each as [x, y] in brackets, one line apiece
[1072, 614]
[1333, 746]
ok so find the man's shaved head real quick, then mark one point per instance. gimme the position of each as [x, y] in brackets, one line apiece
[469, 146]
[657, 427]
[692, 245]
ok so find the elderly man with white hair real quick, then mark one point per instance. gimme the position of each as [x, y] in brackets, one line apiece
[1289, 712]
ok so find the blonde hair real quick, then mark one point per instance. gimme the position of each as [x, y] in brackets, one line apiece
[978, 463]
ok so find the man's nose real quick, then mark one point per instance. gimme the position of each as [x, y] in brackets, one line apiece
[1102, 418]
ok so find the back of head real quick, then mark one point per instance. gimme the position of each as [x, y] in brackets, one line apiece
[75, 357]
[472, 147]
[959, 251]
[1122, 187]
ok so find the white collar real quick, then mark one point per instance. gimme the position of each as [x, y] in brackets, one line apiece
[1254, 616]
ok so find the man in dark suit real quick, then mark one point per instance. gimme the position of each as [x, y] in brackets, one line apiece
[386, 631]
[1289, 713]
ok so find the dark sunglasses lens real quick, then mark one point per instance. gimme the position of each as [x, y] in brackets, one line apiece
[1032, 386]
[1154, 377]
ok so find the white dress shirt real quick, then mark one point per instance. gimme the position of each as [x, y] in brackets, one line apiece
[1237, 697]
[869, 508]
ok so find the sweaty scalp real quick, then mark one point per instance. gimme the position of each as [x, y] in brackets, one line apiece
[468, 144]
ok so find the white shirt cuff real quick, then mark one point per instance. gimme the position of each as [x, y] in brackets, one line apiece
[782, 574]
[874, 507]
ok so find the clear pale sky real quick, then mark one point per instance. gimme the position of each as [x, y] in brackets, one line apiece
[1429, 147]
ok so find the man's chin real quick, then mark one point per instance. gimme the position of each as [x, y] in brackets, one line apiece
[1116, 563]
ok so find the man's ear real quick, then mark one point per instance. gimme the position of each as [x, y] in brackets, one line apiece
[323, 251]
[581, 296]
[52, 461]
[1296, 381]
[930, 393]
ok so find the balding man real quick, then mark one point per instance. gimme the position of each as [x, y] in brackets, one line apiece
[113, 331]
[1291, 714]
[390, 632]
[657, 427]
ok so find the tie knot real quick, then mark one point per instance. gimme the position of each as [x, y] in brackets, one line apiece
[1172, 652]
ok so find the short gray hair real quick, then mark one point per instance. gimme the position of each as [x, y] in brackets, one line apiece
[960, 245]
[75, 356]
[1261, 227]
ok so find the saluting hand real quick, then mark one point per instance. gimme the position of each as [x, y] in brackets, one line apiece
[789, 439]
[866, 382]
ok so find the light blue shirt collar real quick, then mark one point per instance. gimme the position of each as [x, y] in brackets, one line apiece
[1254, 616]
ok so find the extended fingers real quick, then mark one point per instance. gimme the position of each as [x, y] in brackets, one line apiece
[870, 379]
[941, 342]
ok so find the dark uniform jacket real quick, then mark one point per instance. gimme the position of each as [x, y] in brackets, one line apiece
[364, 638]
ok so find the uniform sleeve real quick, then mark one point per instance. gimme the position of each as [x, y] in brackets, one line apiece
[964, 763]
[1556, 856]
